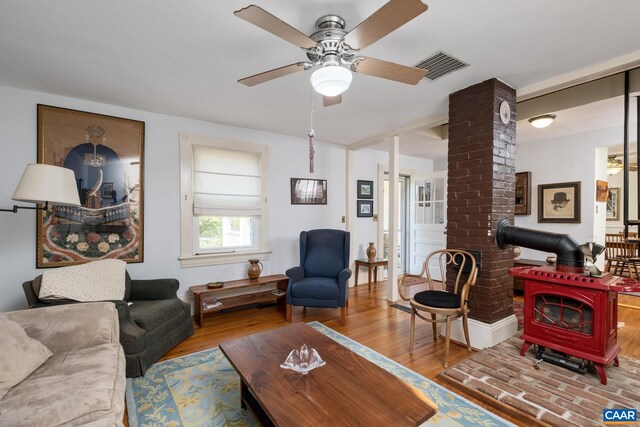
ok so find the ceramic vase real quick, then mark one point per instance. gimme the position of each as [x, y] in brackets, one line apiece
[255, 268]
[371, 252]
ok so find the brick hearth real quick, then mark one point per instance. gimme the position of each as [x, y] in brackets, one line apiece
[551, 395]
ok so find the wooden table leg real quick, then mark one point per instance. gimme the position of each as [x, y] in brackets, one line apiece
[369, 271]
[357, 269]
[198, 309]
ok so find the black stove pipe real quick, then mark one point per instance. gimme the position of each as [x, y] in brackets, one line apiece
[563, 245]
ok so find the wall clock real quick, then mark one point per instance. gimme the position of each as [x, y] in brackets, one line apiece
[505, 112]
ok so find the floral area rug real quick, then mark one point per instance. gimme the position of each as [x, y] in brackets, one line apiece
[202, 389]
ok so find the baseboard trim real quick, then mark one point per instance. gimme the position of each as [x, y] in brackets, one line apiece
[483, 335]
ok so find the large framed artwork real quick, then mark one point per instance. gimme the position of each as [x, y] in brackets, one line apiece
[308, 191]
[107, 156]
[559, 202]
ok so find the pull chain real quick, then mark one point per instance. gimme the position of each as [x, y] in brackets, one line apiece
[311, 134]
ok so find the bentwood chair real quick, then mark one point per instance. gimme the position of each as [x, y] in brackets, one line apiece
[457, 270]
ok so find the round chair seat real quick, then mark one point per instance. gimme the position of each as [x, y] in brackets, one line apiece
[439, 299]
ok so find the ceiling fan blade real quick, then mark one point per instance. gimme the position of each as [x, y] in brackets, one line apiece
[392, 15]
[390, 70]
[272, 74]
[263, 19]
[328, 101]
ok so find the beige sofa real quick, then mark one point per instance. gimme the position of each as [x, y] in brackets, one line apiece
[83, 382]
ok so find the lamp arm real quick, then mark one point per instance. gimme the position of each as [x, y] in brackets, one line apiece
[37, 208]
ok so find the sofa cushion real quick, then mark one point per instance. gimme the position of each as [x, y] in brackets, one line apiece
[95, 281]
[149, 315]
[20, 354]
[78, 387]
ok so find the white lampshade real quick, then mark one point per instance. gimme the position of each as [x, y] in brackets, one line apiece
[542, 121]
[331, 80]
[42, 183]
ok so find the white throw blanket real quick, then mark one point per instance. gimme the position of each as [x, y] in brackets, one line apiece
[94, 281]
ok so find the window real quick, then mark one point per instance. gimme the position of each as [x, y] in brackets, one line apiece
[223, 195]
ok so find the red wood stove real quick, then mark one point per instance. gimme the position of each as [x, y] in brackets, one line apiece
[571, 312]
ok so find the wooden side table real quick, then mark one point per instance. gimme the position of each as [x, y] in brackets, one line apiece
[200, 292]
[371, 265]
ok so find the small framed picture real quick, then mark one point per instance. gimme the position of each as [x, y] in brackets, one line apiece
[365, 208]
[523, 194]
[308, 191]
[365, 189]
[559, 202]
[613, 204]
[107, 188]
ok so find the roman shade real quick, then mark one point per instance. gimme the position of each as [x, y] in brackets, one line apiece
[226, 182]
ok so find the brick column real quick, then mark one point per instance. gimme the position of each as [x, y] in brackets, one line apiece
[481, 190]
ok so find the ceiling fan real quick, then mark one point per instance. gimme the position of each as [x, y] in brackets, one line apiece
[334, 51]
[615, 165]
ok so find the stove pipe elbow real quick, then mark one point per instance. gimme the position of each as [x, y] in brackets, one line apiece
[563, 245]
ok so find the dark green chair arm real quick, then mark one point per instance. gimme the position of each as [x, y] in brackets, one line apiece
[154, 289]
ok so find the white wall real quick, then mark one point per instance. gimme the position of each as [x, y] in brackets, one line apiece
[616, 181]
[570, 158]
[288, 158]
[365, 167]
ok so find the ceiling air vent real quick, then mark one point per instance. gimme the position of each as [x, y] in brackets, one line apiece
[440, 65]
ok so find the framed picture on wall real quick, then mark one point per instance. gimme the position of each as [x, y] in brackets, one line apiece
[523, 194]
[106, 155]
[365, 189]
[602, 190]
[308, 191]
[613, 204]
[559, 202]
[365, 208]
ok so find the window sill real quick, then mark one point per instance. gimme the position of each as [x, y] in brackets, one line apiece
[203, 260]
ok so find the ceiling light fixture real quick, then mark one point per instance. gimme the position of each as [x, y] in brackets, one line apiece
[331, 80]
[542, 121]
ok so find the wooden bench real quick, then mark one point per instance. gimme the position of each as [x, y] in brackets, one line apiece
[201, 292]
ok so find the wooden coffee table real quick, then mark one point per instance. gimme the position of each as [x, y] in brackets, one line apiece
[349, 390]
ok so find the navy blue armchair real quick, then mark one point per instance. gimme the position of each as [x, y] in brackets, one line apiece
[321, 278]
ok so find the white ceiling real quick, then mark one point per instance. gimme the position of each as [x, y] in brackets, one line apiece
[184, 58]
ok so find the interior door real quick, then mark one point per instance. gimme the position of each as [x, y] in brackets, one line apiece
[402, 222]
[428, 218]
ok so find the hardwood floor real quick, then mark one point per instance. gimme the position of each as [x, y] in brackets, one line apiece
[374, 323]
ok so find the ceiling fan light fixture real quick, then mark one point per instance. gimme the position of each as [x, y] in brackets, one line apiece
[613, 170]
[331, 80]
[542, 121]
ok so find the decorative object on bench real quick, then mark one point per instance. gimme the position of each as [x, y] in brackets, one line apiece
[79, 377]
[321, 278]
[456, 267]
[215, 285]
[255, 268]
[152, 318]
